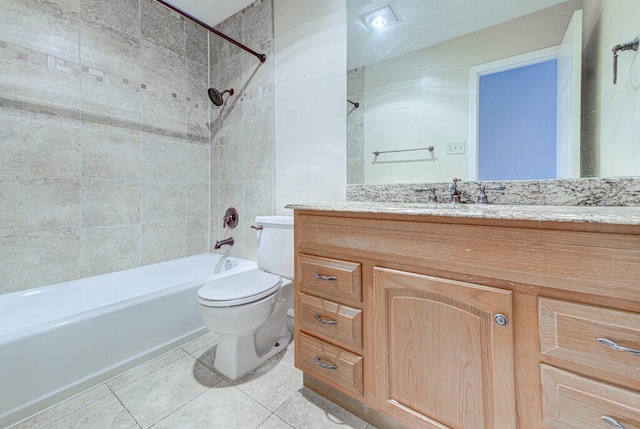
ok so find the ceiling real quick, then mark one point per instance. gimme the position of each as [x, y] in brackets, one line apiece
[422, 22]
[211, 12]
[426, 23]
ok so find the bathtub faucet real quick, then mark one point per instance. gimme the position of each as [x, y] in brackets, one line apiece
[227, 241]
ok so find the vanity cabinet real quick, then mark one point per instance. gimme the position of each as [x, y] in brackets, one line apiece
[444, 351]
[455, 323]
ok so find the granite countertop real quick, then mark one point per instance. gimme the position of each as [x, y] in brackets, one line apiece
[580, 214]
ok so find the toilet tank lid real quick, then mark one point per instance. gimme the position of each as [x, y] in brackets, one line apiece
[277, 220]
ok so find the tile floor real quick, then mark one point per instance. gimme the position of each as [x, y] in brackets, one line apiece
[180, 389]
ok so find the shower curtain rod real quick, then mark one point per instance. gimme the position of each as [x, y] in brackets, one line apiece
[261, 57]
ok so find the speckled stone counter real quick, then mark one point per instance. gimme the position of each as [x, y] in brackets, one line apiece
[560, 192]
[581, 214]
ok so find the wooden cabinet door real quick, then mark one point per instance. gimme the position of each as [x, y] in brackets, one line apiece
[441, 360]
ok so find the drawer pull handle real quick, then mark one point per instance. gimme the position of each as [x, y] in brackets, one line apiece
[330, 366]
[325, 321]
[329, 278]
[612, 345]
[612, 422]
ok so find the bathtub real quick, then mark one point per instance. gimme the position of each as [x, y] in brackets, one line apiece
[58, 340]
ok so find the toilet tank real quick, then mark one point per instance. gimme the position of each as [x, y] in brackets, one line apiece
[275, 245]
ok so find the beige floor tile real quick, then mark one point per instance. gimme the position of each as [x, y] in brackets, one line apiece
[223, 406]
[158, 394]
[206, 355]
[145, 369]
[274, 382]
[207, 340]
[64, 408]
[106, 412]
[308, 410]
[274, 422]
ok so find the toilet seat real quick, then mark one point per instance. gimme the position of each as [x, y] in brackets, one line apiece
[238, 289]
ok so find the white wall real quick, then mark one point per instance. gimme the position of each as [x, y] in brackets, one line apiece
[311, 72]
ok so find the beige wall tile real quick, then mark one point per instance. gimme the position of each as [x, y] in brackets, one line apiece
[108, 202]
[109, 50]
[110, 101]
[33, 83]
[164, 202]
[39, 149]
[125, 17]
[198, 201]
[38, 259]
[263, 118]
[197, 164]
[38, 204]
[163, 158]
[258, 159]
[162, 26]
[258, 200]
[197, 236]
[105, 250]
[164, 112]
[163, 70]
[163, 242]
[110, 155]
[231, 117]
[231, 163]
[51, 27]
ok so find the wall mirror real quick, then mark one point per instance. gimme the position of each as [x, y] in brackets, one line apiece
[424, 80]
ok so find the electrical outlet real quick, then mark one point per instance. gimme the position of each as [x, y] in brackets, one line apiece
[455, 148]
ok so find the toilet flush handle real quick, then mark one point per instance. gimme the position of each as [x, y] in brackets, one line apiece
[257, 228]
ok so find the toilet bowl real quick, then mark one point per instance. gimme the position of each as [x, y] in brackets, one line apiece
[248, 310]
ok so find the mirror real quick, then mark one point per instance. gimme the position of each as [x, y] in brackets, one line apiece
[419, 84]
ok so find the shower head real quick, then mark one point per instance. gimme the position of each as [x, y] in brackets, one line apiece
[216, 96]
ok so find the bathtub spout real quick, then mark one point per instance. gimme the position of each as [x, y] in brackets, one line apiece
[227, 241]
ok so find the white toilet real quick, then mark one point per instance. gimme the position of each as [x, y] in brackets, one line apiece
[248, 310]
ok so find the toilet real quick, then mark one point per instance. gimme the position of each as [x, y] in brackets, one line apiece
[248, 310]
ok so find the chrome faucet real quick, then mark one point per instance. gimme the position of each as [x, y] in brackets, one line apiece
[433, 198]
[454, 191]
[226, 241]
[482, 195]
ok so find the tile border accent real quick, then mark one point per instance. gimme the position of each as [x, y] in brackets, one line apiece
[97, 119]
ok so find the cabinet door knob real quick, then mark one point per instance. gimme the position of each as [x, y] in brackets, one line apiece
[330, 366]
[500, 319]
[329, 278]
[614, 346]
[612, 422]
[324, 321]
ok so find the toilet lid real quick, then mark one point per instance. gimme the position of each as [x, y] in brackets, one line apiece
[237, 289]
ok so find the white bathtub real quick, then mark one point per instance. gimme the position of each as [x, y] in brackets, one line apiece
[60, 339]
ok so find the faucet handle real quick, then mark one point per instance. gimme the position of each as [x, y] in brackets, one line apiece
[433, 198]
[482, 195]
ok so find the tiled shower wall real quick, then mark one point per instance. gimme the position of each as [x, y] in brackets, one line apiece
[104, 138]
[355, 126]
[243, 129]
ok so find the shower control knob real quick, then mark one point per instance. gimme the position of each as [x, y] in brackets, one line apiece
[500, 319]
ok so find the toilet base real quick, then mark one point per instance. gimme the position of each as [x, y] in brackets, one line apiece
[237, 356]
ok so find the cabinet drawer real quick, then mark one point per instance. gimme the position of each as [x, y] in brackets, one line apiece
[573, 402]
[330, 364]
[331, 278]
[572, 335]
[335, 322]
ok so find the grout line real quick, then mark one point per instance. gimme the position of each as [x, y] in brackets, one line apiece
[123, 405]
